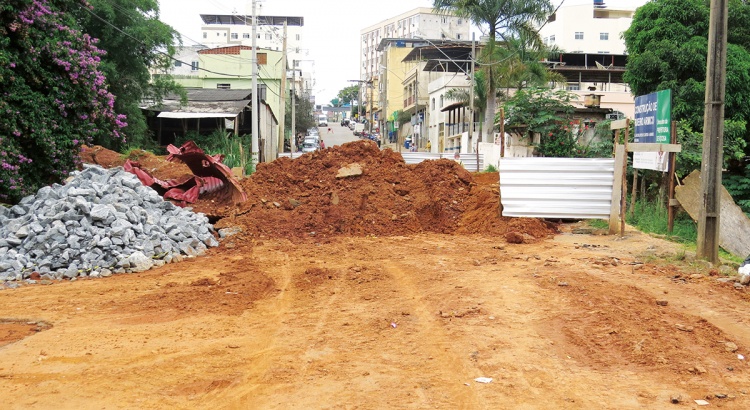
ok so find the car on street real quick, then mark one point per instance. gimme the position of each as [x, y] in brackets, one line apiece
[309, 146]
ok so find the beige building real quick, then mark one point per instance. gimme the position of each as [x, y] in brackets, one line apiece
[588, 28]
[422, 22]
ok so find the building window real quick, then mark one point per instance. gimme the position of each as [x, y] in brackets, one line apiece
[245, 35]
[441, 101]
[579, 35]
[205, 35]
[234, 36]
[269, 36]
[458, 37]
[262, 58]
[224, 86]
[177, 63]
[552, 39]
[573, 87]
[603, 36]
[433, 104]
[194, 66]
[218, 34]
[296, 63]
[459, 22]
[297, 37]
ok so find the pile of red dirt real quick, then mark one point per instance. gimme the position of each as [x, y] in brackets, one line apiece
[156, 165]
[303, 198]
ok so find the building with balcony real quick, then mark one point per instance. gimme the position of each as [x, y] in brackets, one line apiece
[422, 22]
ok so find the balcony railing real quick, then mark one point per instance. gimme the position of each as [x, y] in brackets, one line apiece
[459, 128]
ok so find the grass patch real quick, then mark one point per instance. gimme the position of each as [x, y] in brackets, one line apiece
[650, 217]
[490, 168]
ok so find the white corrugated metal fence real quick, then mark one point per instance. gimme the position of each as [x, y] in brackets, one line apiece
[569, 188]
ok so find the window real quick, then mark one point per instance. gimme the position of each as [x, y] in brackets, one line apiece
[296, 63]
[205, 35]
[459, 22]
[296, 50]
[262, 58]
[194, 66]
[458, 37]
[573, 87]
[177, 63]
[579, 35]
[218, 34]
[245, 35]
[269, 36]
[433, 104]
[234, 36]
[603, 36]
[441, 101]
[224, 86]
[297, 37]
[552, 39]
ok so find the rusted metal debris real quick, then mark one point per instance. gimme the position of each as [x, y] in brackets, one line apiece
[211, 178]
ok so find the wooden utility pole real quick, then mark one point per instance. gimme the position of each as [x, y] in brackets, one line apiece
[713, 133]
[671, 201]
[282, 95]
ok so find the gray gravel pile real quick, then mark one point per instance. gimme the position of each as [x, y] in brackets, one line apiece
[101, 222]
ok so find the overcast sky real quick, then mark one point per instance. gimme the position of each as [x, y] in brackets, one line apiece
[331, 28]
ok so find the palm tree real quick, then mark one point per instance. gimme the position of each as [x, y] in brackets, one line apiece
[503, 18]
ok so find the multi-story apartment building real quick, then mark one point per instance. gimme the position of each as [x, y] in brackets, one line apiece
[235, 29]
[422, 22]
[594, 31]
[588, 28]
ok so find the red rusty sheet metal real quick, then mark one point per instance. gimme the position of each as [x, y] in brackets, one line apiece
[211, 177]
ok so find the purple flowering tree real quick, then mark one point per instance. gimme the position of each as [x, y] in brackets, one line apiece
[53, 95]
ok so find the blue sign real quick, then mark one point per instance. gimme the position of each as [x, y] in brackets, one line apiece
[653, 117]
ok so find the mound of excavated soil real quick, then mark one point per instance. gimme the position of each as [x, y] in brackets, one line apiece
[304, 198]
[156, 165]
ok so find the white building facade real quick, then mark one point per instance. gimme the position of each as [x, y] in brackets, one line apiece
[420, 22]
[588, 28]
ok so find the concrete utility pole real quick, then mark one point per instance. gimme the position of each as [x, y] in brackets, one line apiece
[372, 116]
[471, 95]
[282, 110]
[713, 133]
[294, 103]
[254, 61]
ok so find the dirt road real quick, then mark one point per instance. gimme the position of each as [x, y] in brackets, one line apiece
[572, 322]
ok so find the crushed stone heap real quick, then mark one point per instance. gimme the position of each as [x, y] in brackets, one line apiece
[99, 223]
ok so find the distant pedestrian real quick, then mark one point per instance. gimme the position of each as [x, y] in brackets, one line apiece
[322, 144]
[428, 146]
[330, 130]
[457, 158]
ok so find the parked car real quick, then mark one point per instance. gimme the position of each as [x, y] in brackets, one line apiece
[313, 131]
[309, 146]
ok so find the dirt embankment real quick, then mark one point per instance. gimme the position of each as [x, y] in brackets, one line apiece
[304, 198]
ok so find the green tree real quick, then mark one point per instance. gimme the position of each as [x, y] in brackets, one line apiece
[53, 97]
[546, 112]
[303, 117]
[349, 94]
[497, 18]
[135, 41]
[667, 44]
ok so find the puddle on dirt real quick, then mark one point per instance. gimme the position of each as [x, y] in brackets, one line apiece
[13, 330]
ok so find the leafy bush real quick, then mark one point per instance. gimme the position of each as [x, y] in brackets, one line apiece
[235, 149]
[54, 96]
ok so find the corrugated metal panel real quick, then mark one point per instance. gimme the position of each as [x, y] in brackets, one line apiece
[469, 160]
[574, 188]
[290, 155]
